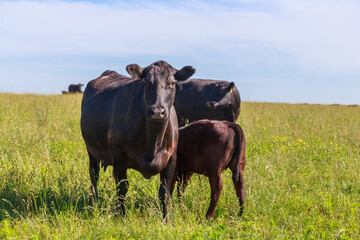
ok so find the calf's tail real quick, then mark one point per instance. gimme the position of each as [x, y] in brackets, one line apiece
[239, 152]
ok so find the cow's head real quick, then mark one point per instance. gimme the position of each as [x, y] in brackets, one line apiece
[159, 78]
[221, 94]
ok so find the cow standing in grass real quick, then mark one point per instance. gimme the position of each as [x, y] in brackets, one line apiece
[208, 147]
[133, 125]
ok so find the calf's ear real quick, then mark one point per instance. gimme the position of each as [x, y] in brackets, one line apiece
[135, 71]
[184, 73]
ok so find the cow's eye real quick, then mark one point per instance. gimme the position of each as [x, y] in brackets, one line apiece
[171, 84]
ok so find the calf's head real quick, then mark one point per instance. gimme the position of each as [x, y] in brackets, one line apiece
[159, 88]
[221, 94]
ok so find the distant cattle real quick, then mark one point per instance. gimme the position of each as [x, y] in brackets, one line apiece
[133, 124]
[199, 98]
[75, 88]
[206, 99]
[208, 147]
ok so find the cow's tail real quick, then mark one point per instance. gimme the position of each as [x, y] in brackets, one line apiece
[239, 152]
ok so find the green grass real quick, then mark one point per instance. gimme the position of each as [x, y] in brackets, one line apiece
[302, 178]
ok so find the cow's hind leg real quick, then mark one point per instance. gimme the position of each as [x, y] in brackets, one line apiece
[122, 185]
[216, 186]
[239, 185]
[240, 192]
[94, 169]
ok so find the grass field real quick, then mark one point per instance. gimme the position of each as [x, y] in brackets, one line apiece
[302, 178]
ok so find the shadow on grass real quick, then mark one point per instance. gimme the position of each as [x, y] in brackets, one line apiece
[16, 205]
[49, 201]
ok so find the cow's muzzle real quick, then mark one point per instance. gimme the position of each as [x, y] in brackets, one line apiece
[157, 113]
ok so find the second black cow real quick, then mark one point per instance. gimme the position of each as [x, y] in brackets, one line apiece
[198, 99]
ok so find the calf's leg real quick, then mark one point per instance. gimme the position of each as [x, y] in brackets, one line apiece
[240, 192]
[184, 180]
[239, 185]
[216, 186]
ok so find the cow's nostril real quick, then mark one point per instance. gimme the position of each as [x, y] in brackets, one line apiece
[152, 111]
[162, 113]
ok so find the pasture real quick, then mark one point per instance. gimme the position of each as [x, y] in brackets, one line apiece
[302, 178]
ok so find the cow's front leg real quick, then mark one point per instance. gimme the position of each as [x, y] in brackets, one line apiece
[166, 178]
[122, 185]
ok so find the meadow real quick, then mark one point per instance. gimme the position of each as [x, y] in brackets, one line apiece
[302, 178]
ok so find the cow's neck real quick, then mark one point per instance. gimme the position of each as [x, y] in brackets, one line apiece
[155, 132]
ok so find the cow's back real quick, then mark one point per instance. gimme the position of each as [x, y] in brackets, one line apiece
[101, 91]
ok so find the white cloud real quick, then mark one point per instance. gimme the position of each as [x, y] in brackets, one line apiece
[319, 32]
[260, 37]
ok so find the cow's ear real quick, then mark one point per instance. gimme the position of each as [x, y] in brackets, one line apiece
[135, 71]
[184, 73]
[231, 86]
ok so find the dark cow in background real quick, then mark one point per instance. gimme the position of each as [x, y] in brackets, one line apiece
[208, 147]
[75, 88]
[133, 124]
[206, 99]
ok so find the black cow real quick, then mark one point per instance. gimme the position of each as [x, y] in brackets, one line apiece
[206, 99]
[133, 124]
[75, 88]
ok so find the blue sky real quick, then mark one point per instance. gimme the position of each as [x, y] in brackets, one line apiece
[274, 50]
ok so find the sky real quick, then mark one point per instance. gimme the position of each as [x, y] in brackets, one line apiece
[295, 51]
